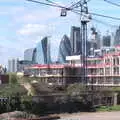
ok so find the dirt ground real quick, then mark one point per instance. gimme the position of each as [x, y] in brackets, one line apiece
[92, 116]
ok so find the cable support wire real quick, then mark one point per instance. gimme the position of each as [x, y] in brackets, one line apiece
[78, 4]
[105, 16]
[69, 9]
[104, 23]
[75, 5]
[48, 4]
[52, 2]
[112, 3]
[100, 15]
[96, 20]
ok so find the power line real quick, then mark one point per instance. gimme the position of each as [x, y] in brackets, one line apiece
[96, 20]
[104, 23]
[51, 2]
[101, 15]
[74, 5]
[63, 7]
[112, 3]
[71, 9]
[48, 4]
[88, 1]
[105, 16]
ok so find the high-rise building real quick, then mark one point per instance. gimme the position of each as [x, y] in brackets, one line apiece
[64, 49]
[28, 54]
[95, 42]
[106, 41]
[95, 39]
[34, 56]
[75, 40]
[13, 65]
[43, 52]
[98, 39]
[117, 37]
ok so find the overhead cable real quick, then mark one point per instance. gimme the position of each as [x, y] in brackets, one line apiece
[101, 15]
[112, 3]
[96, 20]
[51, 2]
[48, 4]
[70, 9]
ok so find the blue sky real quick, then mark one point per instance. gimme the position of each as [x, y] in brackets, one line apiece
[23, 24]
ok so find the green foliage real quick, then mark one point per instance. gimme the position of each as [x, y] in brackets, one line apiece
[108, 108]
[116, 89]
[75, 89]
[13, 78]
[10, 103]
[11, 89]
[27, 105]
[29, 79]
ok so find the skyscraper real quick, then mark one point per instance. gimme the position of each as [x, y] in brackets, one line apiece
[98, 38]
[43, 52]
[95, 39]
[106, 41]
[64, 49]
[13, 65]
[117, 37]
[76, 44]
[30, 55]
[34, 56]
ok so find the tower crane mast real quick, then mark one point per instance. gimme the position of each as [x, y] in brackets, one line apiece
[84, 19]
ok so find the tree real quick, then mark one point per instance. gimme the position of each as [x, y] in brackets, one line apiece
[75, 89]
[13, 78]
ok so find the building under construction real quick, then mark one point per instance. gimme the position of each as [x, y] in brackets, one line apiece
[101, 70]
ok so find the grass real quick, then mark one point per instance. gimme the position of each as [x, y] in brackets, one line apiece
[108, 108]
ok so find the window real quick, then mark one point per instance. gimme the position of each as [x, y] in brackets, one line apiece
[107, 71]
[116, 70]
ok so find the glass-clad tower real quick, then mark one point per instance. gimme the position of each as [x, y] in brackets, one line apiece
[34, 56]
[106, 41]
[64, 49]
[28, 54]
[43, 52]
[75, 40]
[117, 37]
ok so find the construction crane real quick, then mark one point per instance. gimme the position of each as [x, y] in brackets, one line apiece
[81, 9]
[85, 18]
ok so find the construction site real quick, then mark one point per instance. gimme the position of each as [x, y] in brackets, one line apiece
[87, 80]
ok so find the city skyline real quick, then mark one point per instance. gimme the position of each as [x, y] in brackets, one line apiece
[23, 24]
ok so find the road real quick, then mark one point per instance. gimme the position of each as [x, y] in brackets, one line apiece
[92, 116]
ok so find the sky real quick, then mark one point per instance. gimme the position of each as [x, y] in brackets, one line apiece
[23, 24]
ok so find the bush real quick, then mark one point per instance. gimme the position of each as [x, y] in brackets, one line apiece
[13, 78]
[11, 90]
[108, 108]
